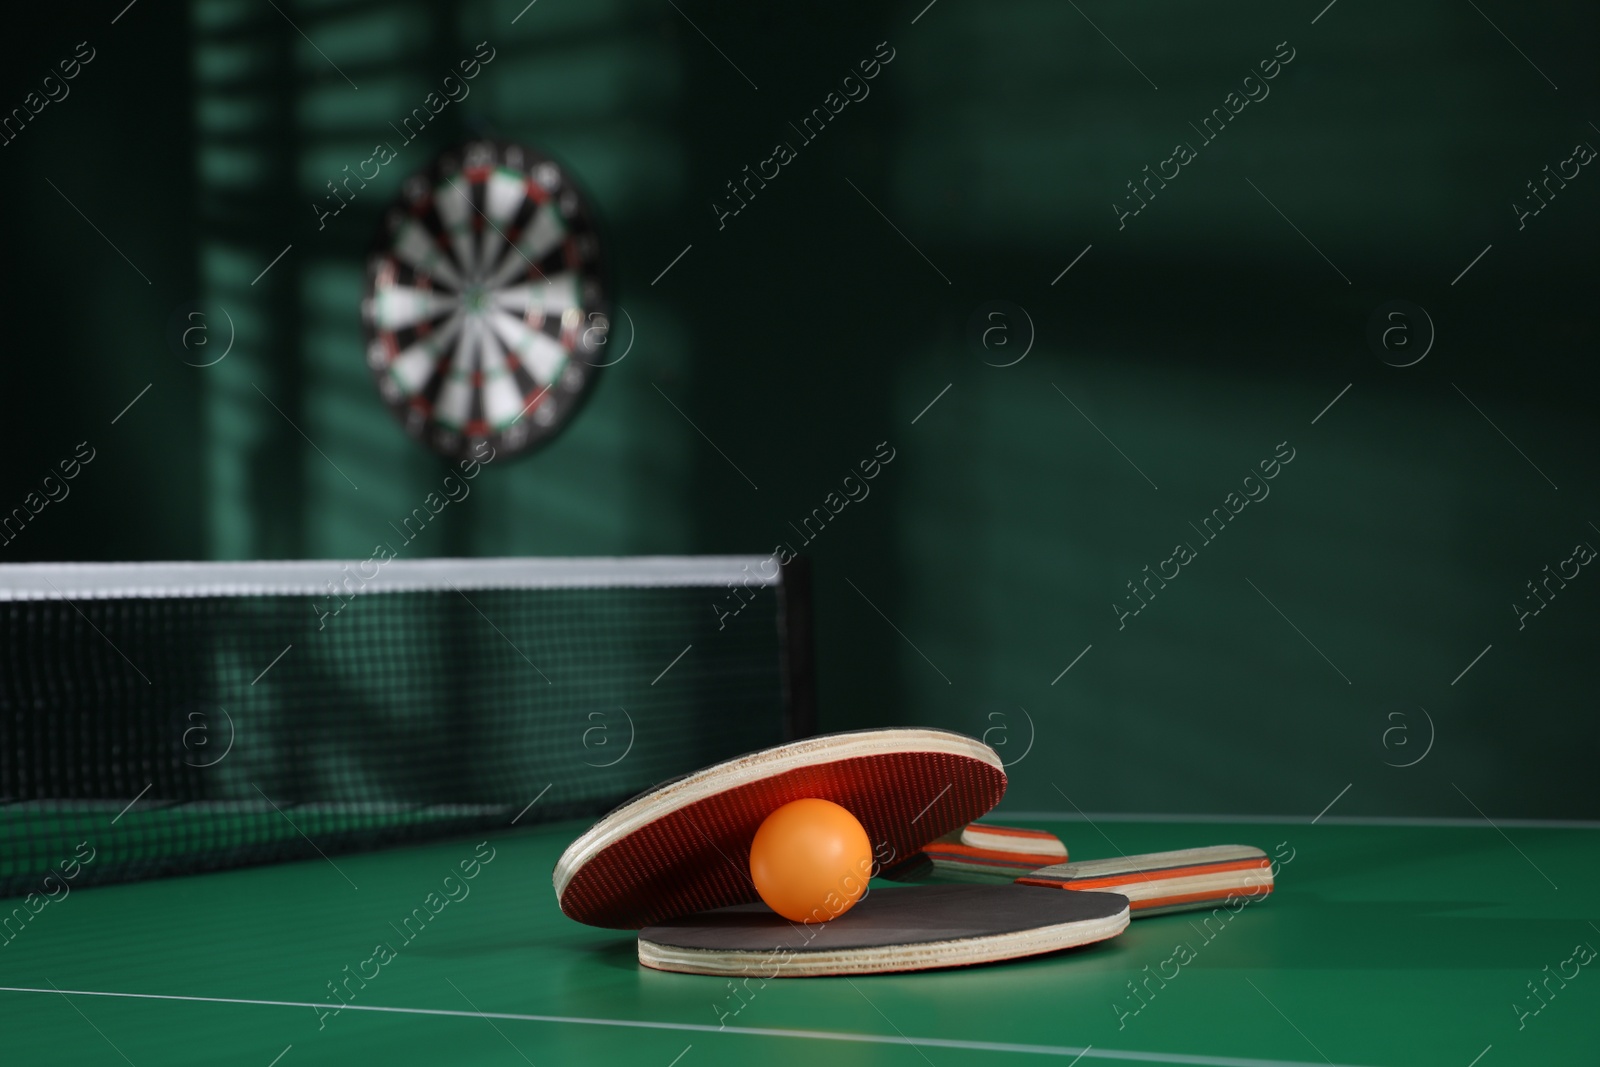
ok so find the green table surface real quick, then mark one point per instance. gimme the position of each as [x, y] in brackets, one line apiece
[1383, 945]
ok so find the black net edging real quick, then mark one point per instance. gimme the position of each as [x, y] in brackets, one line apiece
[168, 718]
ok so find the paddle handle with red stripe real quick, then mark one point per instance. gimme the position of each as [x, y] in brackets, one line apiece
[1159, 882]
[979, 852]
[1155, 883]
[1012, 840]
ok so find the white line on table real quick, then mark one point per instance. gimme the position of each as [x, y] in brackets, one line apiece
[707, 1028]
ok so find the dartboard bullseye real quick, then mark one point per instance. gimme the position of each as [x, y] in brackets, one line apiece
[486, 308]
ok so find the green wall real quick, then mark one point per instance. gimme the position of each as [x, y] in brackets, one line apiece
[808, 329]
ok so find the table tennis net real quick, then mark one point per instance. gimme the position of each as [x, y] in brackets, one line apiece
[171, 718]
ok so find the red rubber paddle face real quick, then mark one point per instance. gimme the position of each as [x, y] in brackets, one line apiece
[685, 847]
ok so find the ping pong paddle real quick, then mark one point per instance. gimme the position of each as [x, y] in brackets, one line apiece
[979, 853]
[1155, 883]
[684, 847]
[907, 928]
[1012, 839]
[674, 861]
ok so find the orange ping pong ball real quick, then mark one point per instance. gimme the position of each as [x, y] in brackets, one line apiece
[811, 861]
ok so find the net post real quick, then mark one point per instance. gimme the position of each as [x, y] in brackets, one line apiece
[799, 663]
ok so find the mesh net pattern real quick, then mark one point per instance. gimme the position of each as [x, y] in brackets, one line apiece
[171, 734]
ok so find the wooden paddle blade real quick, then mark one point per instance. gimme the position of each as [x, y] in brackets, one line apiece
[684, 847]
[912, 928]
[1159, 882]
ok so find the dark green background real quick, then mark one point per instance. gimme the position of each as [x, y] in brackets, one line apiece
[807, 331]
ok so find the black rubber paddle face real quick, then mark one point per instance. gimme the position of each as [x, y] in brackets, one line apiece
[899, 929]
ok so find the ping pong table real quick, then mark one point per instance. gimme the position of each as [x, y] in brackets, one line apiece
[1385, 944]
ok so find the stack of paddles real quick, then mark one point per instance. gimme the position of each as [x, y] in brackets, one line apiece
[761, 865]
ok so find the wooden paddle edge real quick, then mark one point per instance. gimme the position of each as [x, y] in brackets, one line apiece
[883, 959]
[753, 767]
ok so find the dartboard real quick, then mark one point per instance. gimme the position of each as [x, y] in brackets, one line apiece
[486, 309]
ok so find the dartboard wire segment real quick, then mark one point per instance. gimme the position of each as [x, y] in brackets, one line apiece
[486, 301]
